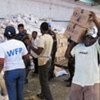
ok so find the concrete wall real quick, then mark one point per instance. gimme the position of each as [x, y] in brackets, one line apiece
[56, 9]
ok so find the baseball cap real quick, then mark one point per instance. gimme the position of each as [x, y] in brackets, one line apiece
[9, 31]
[92, 31]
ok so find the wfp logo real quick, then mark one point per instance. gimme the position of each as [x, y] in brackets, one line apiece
[14, 52]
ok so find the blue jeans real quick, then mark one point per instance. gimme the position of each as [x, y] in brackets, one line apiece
[14, 82]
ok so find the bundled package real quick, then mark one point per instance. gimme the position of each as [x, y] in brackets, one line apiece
[81, 17]
[75, 32]
[78, 24]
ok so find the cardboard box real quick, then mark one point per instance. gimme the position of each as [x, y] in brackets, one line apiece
[78, 25]
[75, 32]
[69, 30]
[78, 33]
[80, 17]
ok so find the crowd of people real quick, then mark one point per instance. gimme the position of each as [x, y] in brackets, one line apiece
[82, 57]
[15, 60]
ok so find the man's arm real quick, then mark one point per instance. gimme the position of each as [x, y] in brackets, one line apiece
[1, 64]
[94, 19]
[26, 60]
[37, 50]
[3, 86]
[69, 48]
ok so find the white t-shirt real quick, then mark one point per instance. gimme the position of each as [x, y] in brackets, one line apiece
[86, 64]
[12, 51]
[34, 44]
[46, 43]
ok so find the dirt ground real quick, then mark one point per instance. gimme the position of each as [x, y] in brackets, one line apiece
[57, 86]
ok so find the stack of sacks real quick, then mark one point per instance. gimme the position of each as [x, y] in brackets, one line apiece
[61, 47]
[78, 24]
[60, 54]
[30, 22]
[61, 40]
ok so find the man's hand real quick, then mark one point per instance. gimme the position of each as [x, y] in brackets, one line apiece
[93, 17]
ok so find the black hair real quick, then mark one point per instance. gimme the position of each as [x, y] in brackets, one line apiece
[26, 38]
[44, 26]
[20, 25]
[34, 32]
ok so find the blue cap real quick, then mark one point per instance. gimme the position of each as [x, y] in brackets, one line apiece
[9, 32]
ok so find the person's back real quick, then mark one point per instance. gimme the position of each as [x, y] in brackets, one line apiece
[13, 54]
[48, 41]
